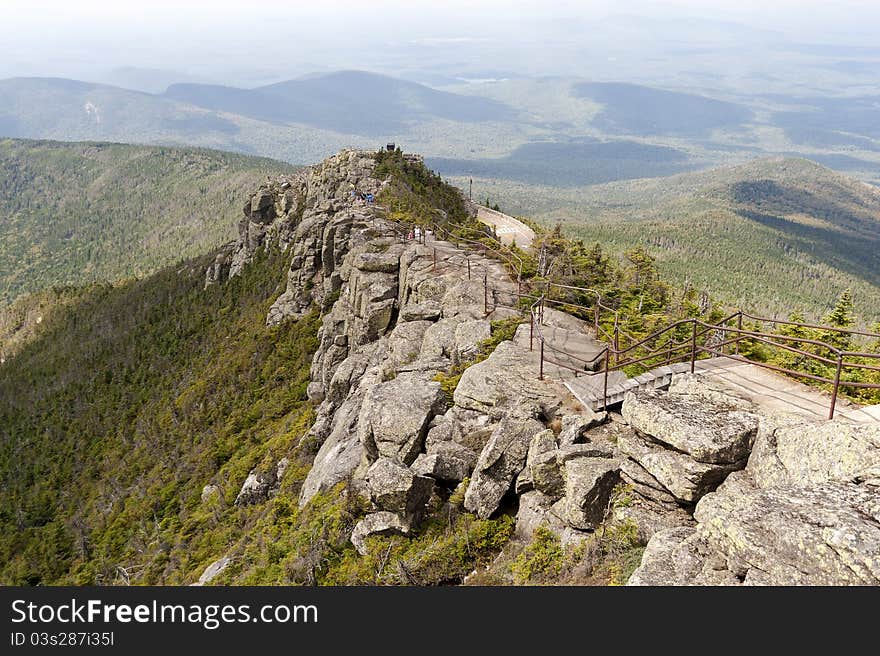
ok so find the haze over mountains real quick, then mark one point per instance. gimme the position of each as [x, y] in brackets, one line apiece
[556, 131]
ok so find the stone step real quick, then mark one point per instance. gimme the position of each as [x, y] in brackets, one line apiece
[590, 390]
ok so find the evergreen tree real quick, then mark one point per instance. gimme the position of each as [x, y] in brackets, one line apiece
[842, 317]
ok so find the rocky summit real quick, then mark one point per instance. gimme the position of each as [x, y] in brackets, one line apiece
[718, 491]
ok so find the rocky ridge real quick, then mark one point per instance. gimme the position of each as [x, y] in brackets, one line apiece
[392, 322]
[719, 492]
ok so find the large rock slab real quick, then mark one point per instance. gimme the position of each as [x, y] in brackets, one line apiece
[672, 557]
[377, 523]
[826, 534]
[403, 344]
[446, 461]
[588, 486]
[339, 455]
[439, 340]
[508, 375]
[791, 450]
[642, 482]
[544, 465]
[395, 415]
[424, 311]
[503, 457]
[469, 335]
[686, 479]
[715, 392]
[709, 431]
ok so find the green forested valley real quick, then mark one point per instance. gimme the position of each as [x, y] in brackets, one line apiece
[74, 213]
[773, 236]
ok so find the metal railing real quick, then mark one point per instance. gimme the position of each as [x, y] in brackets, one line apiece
[660, 347]
[838, 360]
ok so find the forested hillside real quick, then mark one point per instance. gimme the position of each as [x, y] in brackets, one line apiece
[775, 235]
[128, 403]
[75, 213]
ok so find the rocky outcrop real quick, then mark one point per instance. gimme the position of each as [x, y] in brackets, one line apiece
[672, 472]
[503, 457]
[391, 322]
[395, 415]
[446, 461]
[504, 380]
[721, 493]
[822, 534]
[711, 432]
[683, 444]
[790, 450]
[589, 483]
[395, 488]
[259, 486]
[214, 570]
[803, 512]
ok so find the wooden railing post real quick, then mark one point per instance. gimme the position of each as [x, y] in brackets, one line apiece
[694, 347]
[739, 326]
[486, 293]
[596, 319]
[541, 370]
[605, 388]
[434, 267]
[468, 259]
[836, 385]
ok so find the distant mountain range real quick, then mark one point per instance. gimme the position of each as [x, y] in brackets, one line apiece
[551, 131]
[350, 101]
[347, 103]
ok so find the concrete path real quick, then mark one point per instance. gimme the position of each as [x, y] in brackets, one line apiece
[507, 228]
[570, 346]
[768, 390]
[776, 393]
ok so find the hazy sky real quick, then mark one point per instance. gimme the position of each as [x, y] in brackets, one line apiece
[234, 41]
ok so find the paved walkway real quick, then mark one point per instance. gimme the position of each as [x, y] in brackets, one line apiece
[768, 390]
[506, 227]
[774, 392]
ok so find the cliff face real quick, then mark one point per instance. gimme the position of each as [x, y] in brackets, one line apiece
[311, 214]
